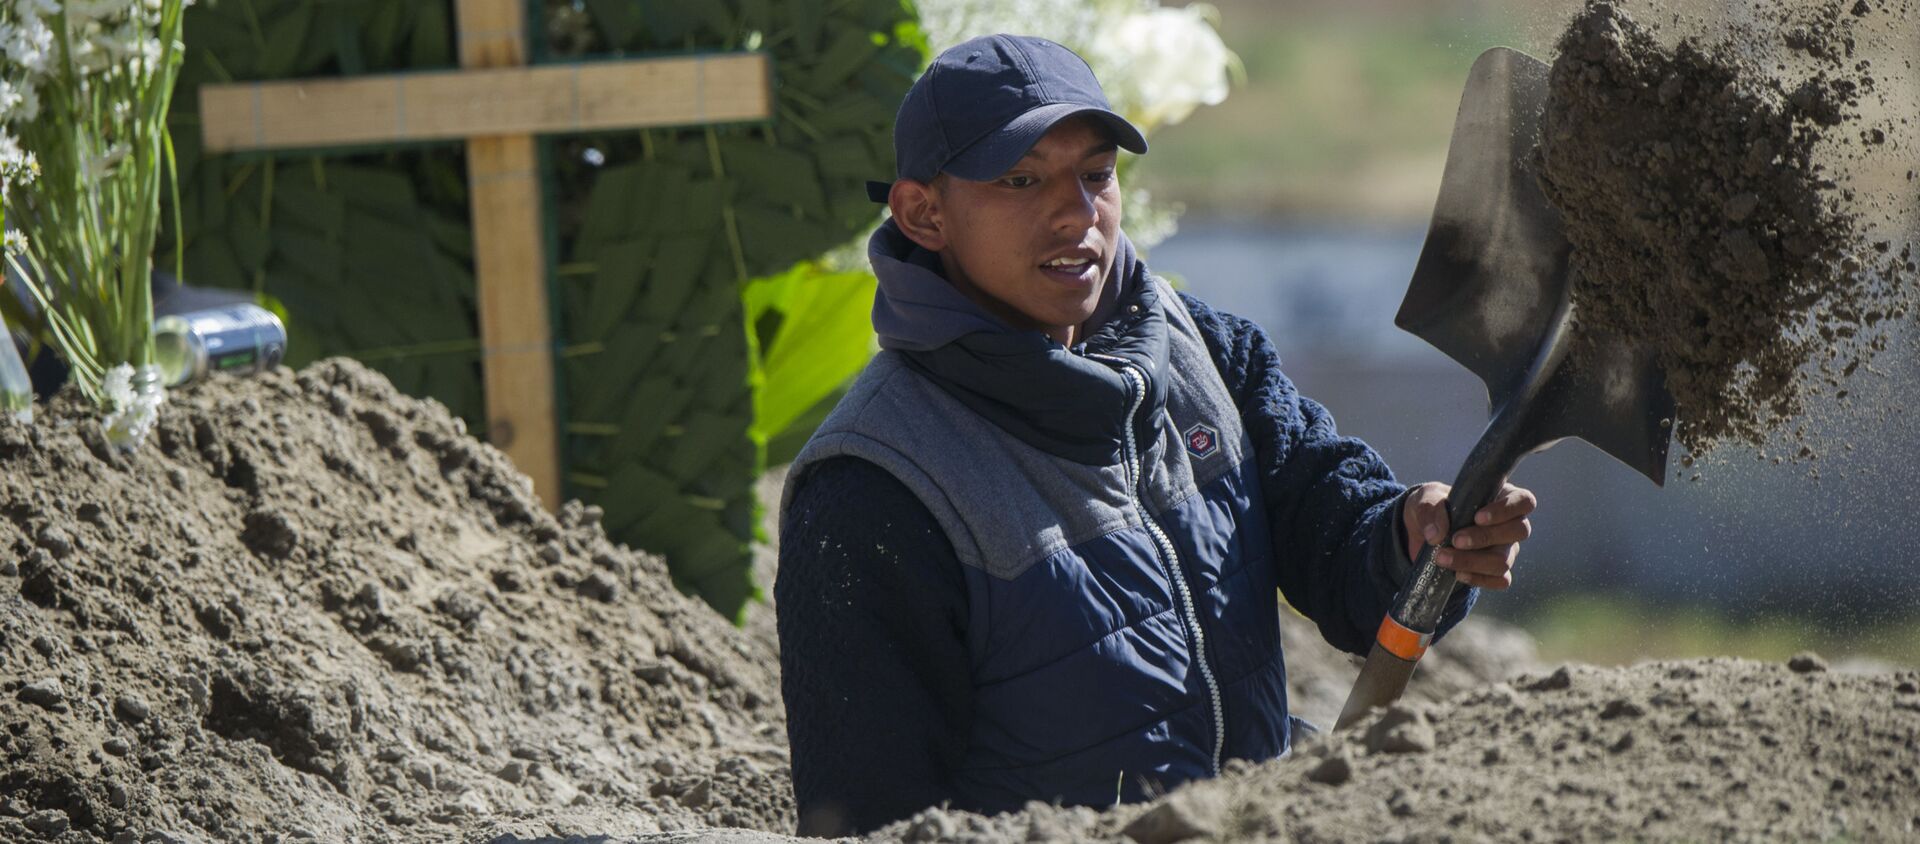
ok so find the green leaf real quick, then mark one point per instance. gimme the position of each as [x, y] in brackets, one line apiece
[847, 161]
[346, 46]
[781, 176]
[383, 32]
[210, 263]
[619, 20]
[384, 192]
[677, 265]
[616, 283]
[432, 37]
[315, 255]
[285, 36]
[850, 49]
[862, 116]
[824, 340]
[297, 203]
[248, 236]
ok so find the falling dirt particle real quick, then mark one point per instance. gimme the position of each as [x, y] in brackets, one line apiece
[1806, 662]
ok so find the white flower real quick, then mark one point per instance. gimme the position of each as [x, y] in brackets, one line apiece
[15, 242]
[949, 22]
[16, 165]
[1156, 64]
[1161, 64]
[29, 107]
[10, 98]
[29, 44]
[131, 413]
[83, 11]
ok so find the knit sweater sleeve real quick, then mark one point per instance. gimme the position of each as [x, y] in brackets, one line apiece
[1333, 505]
[871, 612]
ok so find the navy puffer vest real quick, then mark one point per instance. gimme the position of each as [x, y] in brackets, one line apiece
[1104, 502]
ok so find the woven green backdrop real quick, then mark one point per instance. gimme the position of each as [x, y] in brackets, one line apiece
[660, 236]
[370, 253]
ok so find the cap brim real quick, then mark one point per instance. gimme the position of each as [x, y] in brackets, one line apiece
[996, 153]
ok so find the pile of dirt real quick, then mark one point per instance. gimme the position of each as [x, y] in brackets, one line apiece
[311, 608]
[1711, 750]
[1700, 185]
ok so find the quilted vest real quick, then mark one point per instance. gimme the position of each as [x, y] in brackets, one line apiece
[1123, 621]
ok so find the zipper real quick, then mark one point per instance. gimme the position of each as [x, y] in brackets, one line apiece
[1170, 559]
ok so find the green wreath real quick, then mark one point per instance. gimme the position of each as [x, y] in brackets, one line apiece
[675, 382]
[682, 289]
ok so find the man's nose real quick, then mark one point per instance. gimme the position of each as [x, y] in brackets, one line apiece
[1074, 207]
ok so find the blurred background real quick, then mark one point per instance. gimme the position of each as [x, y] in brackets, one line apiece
[1306, 196]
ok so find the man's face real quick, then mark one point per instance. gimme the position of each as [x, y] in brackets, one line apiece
[1036, 245]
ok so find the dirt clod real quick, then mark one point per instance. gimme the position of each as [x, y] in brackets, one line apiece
[1560, 679]
[1806, 662]
[1336, 769]
[1186, 814]
[1403, 728]
[45, 693]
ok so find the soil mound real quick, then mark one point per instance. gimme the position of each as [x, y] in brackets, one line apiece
[1706, 220]
[313, 609]
[310, 607]
[1713, 750]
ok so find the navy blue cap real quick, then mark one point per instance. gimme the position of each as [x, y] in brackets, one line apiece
[982, 104]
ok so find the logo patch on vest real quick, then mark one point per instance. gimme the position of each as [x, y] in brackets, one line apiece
[1202, 440]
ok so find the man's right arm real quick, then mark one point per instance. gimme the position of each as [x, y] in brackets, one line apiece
[871, 605]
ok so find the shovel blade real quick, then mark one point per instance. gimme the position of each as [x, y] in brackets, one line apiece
[1494, 275]
[1382, 679]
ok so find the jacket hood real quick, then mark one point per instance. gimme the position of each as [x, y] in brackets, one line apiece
[1068, 402]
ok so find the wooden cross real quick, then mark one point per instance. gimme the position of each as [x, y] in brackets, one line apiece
[497, 104]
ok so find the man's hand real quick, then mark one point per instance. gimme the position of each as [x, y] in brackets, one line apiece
[1481, 555]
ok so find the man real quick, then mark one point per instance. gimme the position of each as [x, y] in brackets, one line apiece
[1033, 554]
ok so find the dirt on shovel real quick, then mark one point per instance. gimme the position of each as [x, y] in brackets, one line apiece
[1702, 182]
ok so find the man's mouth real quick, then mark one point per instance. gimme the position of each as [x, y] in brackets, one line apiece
[1078, 269]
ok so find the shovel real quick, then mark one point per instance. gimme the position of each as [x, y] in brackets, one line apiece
[1491, 291]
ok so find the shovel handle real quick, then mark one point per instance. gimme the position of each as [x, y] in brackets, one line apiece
[1408, 627]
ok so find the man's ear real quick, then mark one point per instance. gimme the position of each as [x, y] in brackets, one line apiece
[916, 210]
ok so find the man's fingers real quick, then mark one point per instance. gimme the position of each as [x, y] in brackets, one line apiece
[1506, 533]
[1490, 569]
[1512, 503]
[1490, 561]
[1427, 511]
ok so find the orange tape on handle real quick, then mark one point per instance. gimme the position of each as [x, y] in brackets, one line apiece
[1402, 641]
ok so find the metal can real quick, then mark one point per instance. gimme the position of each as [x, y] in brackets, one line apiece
[242, 339]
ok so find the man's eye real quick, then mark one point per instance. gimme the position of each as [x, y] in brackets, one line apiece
[1017, 181]
[1100, 176]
